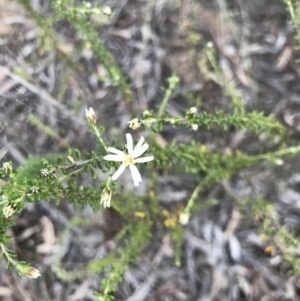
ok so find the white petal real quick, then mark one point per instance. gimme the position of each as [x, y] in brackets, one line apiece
[138, 146]
[140, 150]
[115, 151]
[118, 172]
[115, 158]
[129, 143]
[144, 159]
[135, 175]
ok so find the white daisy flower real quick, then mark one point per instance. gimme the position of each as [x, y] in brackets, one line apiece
[129, 159]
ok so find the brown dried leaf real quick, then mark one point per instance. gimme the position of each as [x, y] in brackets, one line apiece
[284, 57]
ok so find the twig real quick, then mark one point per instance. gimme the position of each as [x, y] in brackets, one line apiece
[41, 93]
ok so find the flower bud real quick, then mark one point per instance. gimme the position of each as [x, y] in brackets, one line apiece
[106, 197]
[139, 214]
[45, 172]
[195, 127]
[192, 111]
[90, 116]
[209, 44]
[134, 123]
[31, 272]
[279, 162]
[9, 210]
[34, 189]
[106, 10]
[184, 218]
[7, 166]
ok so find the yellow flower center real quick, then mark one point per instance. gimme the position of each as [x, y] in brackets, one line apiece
[129, 160]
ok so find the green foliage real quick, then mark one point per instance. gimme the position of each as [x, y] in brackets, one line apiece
[208, 62]
[32, 166]
[43, 177]
[82, 270]
[79, 17]
[285, 241]
[138, 234]
[252, 121]
[56, 177]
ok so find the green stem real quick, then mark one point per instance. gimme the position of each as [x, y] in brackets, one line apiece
[4, 250]
[98, 135]
[173, 81]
